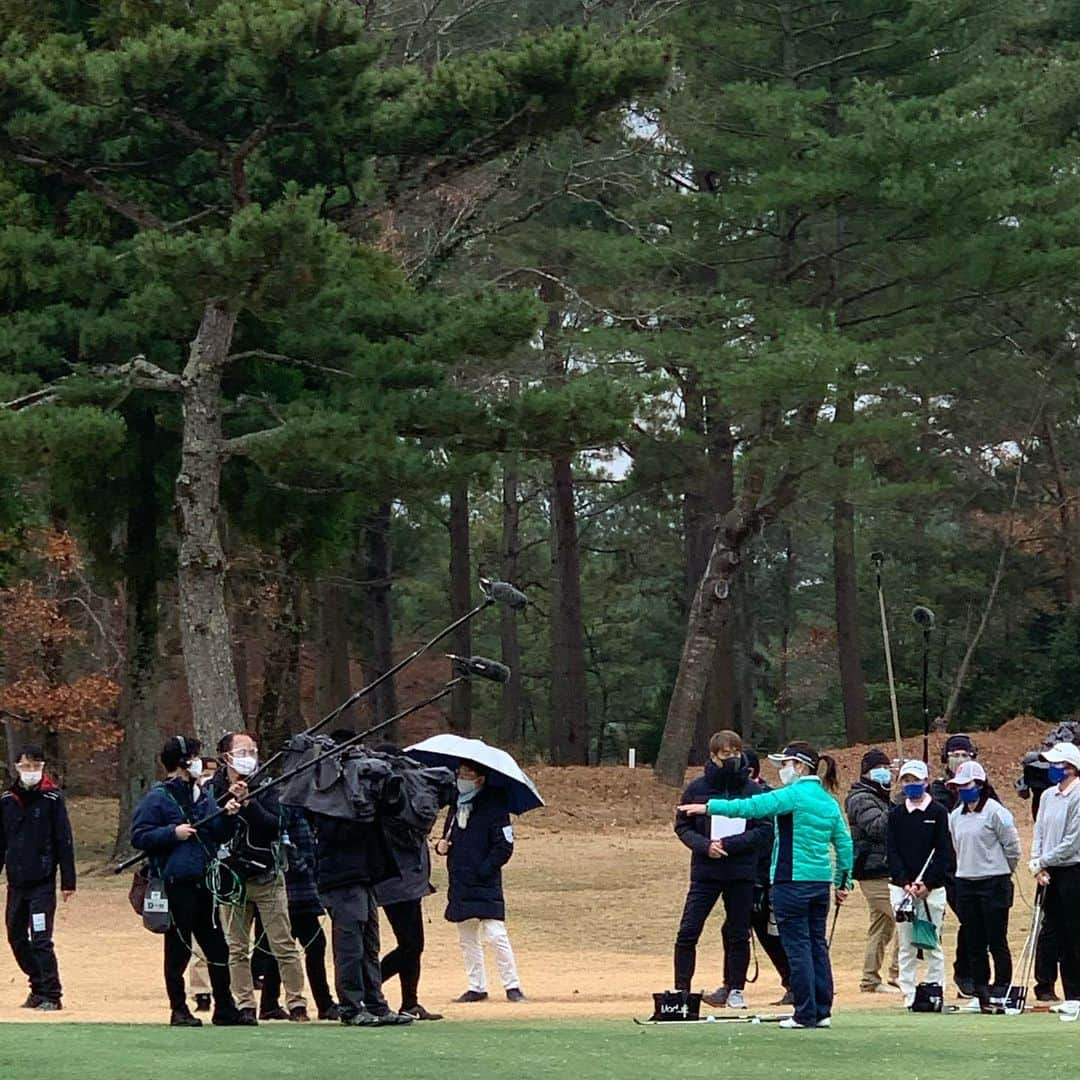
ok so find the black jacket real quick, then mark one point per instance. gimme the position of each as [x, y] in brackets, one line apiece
[350, 852]
[940, 792]
[477, 855]
[35, 836]
[912, 836]
[744, 850]
[413, 859]
[256, 830]
[867, 808]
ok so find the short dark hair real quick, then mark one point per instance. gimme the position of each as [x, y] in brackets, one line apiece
[725, 740]
[225, 743]
[178, 749]
[33, 752]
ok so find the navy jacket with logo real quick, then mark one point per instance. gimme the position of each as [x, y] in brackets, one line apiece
[477, 855]
[35, 836]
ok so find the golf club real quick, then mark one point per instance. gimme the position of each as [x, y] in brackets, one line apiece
[924, 618]
[878, 559]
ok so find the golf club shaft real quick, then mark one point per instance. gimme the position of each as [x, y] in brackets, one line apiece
[356, 739]
[925, 697]
[889, 670]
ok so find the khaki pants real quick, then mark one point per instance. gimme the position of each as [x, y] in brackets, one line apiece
[882, 931]
[198, 978]
[273, 906]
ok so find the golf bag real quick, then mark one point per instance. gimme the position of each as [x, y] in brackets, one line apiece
[676, 1006]
[929, 998]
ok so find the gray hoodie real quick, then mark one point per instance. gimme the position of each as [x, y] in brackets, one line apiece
[986, 842]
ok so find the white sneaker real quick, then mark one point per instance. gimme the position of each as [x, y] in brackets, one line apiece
[736, 1000]
[886, 988]
[826, 1023]
[972, 1005]
[1068, 1011]
[790, 1022]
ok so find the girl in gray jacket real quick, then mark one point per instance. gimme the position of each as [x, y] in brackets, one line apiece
[987, 851]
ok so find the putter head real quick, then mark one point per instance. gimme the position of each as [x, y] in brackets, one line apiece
[1015, 1000]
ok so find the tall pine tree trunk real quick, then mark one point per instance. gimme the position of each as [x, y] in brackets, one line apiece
[379, 616]
[333, 683]
[1070, 549]
[852, 683]
[204, 623]
[138, 703]
[510, 730]
[460, 597]
[569, 741]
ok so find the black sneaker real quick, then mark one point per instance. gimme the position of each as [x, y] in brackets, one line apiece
[275, 1013]
[184, 1018]
[45, 1005]
[470, 996]
[418, 1012]
[1047, 997]
[716, 998]
[298, 1015]
[965, 988]
[331, 1012]
[391, 1018]
[361, 1018]
[32, 1002]
[515, 994]
[234, 1018]
[787, 999]
[202, 1002]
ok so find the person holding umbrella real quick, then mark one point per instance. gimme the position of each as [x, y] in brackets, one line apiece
[808, 824]
[477, 842]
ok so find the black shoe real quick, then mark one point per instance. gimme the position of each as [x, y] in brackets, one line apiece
[391, 1018]
[275, 1013]
[331, 1012]
[184, 1018]
[234, 1018]
[418, 1012]
[787, 999]
[515, 994]
[45, 1005]
[32, 1002]
[359, 1019]
[1048, 997]
[470, 996]
[716, 998]
[202, 1002]
[965, 988]
[298, 1015]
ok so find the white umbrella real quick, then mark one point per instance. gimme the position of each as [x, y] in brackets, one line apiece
[503, 771]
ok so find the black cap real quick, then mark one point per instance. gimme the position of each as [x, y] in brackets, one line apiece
[797, 753]
[872, 759]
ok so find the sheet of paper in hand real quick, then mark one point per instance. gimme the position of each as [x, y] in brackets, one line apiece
[723, 827]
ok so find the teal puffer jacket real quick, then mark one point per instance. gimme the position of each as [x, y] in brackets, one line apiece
[808, 823]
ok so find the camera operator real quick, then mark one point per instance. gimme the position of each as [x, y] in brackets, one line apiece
[1055, 861]
[257, 860]
[917, 828]
[958, 749]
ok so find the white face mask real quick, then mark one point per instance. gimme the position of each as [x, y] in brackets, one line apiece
[194, 768]
[30, 778]
[789, 774]
[244, 765]
[466, 787]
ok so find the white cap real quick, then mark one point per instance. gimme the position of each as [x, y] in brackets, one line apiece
[915, 768]
[1063, 752]
[970, 770]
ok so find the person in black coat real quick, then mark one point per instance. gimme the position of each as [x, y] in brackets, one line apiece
[720, 868]
[478, 842]
[35, 842]
[164, 826]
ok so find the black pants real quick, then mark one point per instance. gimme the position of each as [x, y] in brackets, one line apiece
[192, 909]
[1047, 951]
[983, 906]
[307, 929]
[1062, 898]
[407, 921]
[961, 968]
[355, 919]
[774, 949]
[700, 900]
[30, 913]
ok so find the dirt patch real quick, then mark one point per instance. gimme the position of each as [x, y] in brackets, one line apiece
[594, 893]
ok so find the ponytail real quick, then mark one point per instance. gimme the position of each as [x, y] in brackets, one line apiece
[829, 780]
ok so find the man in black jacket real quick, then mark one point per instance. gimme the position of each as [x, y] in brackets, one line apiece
[352, 857]
[720, 867]
[35, 841]
[867, 808]
[256, 858]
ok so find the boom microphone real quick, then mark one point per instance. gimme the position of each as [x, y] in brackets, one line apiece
[482, 667]
[504, 593]
[924, 617]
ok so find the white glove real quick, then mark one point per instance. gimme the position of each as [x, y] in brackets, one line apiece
[1035, 866]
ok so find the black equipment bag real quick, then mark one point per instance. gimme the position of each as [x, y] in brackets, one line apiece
[929, 998]
[676, 1006]
[155, 912]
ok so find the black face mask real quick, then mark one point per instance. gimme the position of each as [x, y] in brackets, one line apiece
[730, 768]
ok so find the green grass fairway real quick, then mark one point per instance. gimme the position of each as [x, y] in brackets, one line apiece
[861, 1045]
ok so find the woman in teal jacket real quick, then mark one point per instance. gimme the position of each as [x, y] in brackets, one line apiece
[809, 823]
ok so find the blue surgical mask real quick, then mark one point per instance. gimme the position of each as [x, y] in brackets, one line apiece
[880, 776]
[914, 792]
[970, 795]
[1056, 773]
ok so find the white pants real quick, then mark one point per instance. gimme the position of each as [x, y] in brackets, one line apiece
[909, 960]
[472, 933]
